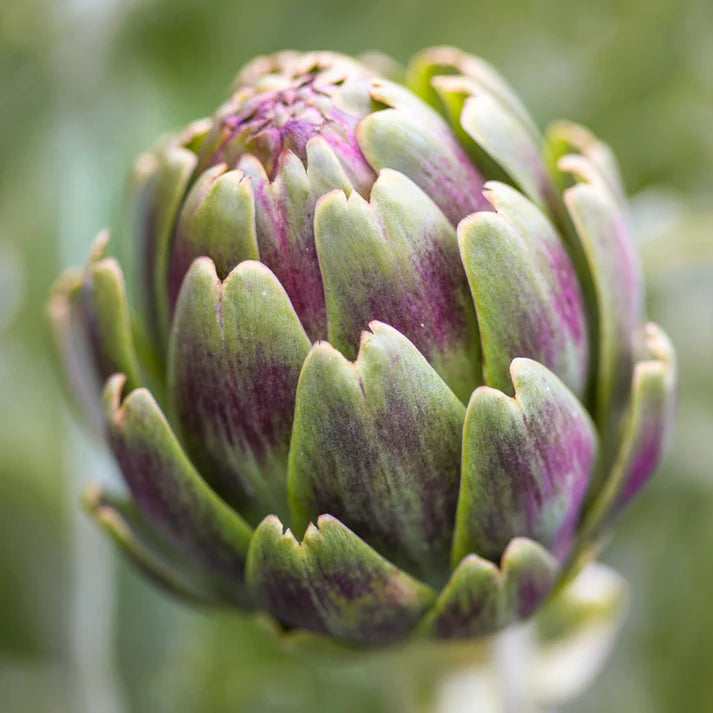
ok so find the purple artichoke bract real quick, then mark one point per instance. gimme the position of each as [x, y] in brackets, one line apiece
[386, 371]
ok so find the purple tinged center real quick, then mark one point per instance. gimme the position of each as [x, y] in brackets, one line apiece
[270, 123]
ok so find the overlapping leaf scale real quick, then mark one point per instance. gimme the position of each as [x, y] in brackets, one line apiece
[236, 351]
[526, 293]
[481, 598]
[566, 137]
[334, 583]
[376, 443]
[489, 120]
[527, 463]
[395, 259]
[217, 219]
[410, 137]
[169, 492]
[599, 218]
[160, 181]
[92, 329]
[434, 62]
[646, 428]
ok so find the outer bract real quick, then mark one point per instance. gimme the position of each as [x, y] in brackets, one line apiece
[406, 377]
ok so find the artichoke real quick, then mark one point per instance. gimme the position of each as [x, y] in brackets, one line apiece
[385, 372]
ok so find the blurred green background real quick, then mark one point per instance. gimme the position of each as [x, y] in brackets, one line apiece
[87, 84]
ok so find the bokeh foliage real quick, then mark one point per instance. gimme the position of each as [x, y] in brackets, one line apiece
[83, 87]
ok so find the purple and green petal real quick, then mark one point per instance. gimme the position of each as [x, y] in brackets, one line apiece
[420, 145]
[376, 442]
[480, 598]
[565, 137]
[218, 220]
[325, 171]
[162, 564]
[105, 313]
[332, 582]
[92, 329]
[527, 462]
[345, 147]
[396, 260]
[603, 230]
[469, 605]
[488, 119]
[447, 61]
[501, 134]
[529, 574]
[163, 181]
[168, 490]
[647, 427]
[71, 343]
[525, 289]
[236, 351]
[284, 217]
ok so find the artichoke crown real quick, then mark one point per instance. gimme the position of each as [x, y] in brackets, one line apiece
[386, 371]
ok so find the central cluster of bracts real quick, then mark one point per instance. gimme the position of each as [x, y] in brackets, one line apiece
[360, 332]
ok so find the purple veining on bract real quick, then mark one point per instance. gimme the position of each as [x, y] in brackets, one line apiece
[150, 471]
[578, 449]
[566, 464]
[382, 460]
[284, 223]
[454, 183]
[534, 473]
[436, 314]
[530, 592]
[645, 460]
[336, 582]
[234, 390]
[569, 301]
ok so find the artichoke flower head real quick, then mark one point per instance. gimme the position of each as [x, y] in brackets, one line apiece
[405, 375]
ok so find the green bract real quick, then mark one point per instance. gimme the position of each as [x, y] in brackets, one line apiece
[406, 379]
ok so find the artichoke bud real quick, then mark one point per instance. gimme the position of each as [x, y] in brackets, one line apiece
[407, 380]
